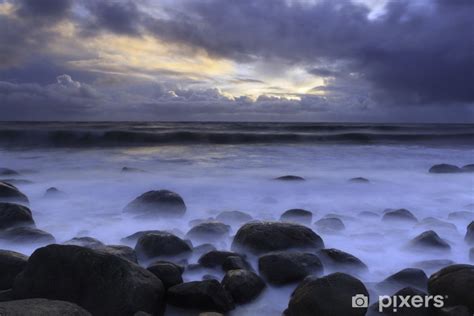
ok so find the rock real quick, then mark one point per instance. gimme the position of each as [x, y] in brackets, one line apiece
[429, 265]
[99, 282]
[8, 172]
[261, 237]
[290, 178]
[202, 249]
[235, 263]
[243, 285]
[208, 295]
[210, 277]
[329, 225]
[297, 215]
[11, 264]
[41, 307]
[27, 235]
[400, 215]
[471, 254]
[429, 240]
[17, 181]
[209, 231]
[469, 238]
[132, 170]
[407, 277]
[327, 296]
[368, 214]
[359, 180]
[405, 310]
[210, 314]
[168, 272]
[88, 242]
[288, 267]
[140, 313]
[444, 168]
[468, 168]
[15, 215]
[161, 244]
[434, 223]
[161, 203]
[336, 260]
[461, 215]
[454, 311]
[54, 193]
[233, 217]
[121, 251]
[133, 238]
[10, 193]
[456, 284]
[216, 258]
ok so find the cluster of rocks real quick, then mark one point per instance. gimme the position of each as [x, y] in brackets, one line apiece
[448, 168]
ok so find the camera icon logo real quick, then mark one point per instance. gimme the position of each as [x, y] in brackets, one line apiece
[360, 301]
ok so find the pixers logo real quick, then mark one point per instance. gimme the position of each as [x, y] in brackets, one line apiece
[410, 301]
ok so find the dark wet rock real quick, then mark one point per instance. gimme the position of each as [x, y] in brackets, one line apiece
[133, 238]
[235, 263]
[11, 264]
[233, 217]
[456, 283]
[210, 277]
[407, 277]
[327, 296]
[99, 282]
[444, 168]
[461, 215]
[434, 223]
[8, 172]
[15, 215]
[243, 285]
[202, 249]
[297, 215]
[290, 178]
[402, 309]
[54, 193]
[454, 311]
[208, 295]
[140, 313]
[329, 225]
[436, 264]
[359, 180]
[210, 314]
[10, 193]
[161, 203]
[288, 267]
[400, 215]
[429, 240]
[368, 214]
[261, 237]
[161, 244]
[88, 242]
[468, 168]
[132, 170]
[41, 307]
[27, 235]
[121, 251]
[340, 261]
[216, 258]
[168, 272]
[469, 238]
[209, 231]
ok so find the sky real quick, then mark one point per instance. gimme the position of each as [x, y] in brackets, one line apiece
[245, 60]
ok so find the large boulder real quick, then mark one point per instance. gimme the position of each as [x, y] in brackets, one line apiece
[207, 295]
[161, 244]
[41, 307]
[400, 215]
[288, 267]
[132, 239]
[297, 215]
[429, 240]
[102, 283]
[10, 193]
[262, 237]
[11, 264]
[456, 284]
[208, 231]
[392, 306]
[27, 235]
[327, 296]
[243, 285]
[407, 277]
[216, 258]
[161, 203]
[469, 238]
[336, 260]
[168, 272]
[444, 168]
[15, 215]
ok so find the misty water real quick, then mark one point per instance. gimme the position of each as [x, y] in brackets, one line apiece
[213, 178]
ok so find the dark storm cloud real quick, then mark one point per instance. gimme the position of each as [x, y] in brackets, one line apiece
[51, 9]
[416, 52]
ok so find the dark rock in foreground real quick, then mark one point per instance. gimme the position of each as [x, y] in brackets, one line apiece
[327, 296]
[208, 295]
[444, 168]
[336, 260]
[11, 264]
[429, 240]
[404, 310]
[456, 284]
[297, 215]
[235, 263]
[103, 284]
[216, 258]
[168, 272]
[132, 239]
[290, 178]
[161, 244]
[27, 235]
[262, 237]
[121, 251]
[243, 285]
[10, 193]
[288, 267]
[407, 277]
[41, 307]
[400, 215]
[454, 311]
[233, 217]
[469, 238]
[15, 215]
[208, 231]
[161, 203]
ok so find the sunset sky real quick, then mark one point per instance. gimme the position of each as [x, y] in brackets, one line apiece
[259, 60]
